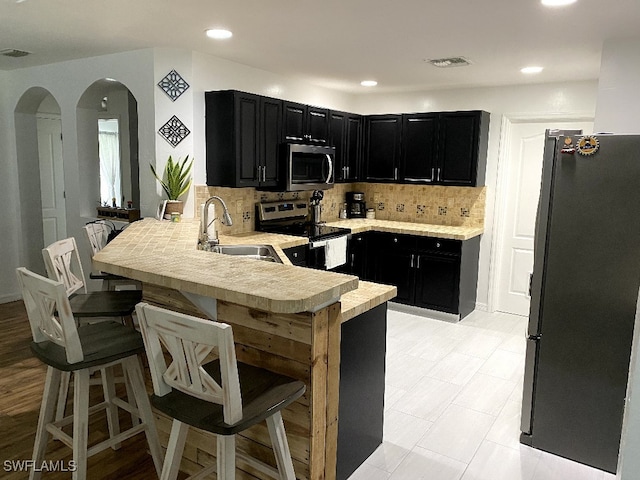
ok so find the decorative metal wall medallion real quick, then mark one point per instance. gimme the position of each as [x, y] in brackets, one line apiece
[174, 131]
[173, 85]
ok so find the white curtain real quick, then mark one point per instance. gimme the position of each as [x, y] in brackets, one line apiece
[110, 184]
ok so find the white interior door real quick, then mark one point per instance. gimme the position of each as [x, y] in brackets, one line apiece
[523, 171]
[54, 220]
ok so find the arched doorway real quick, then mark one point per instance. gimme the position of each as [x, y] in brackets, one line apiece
[40, 173]
[107, 123]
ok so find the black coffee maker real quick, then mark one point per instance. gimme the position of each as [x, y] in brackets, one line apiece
[356, 207]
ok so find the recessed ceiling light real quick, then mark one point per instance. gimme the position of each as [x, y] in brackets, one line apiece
[557, 3]
[368, 83]
[531, 70]
[219, 33]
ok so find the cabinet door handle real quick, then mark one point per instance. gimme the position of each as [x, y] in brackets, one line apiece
[418, 262]
[347, 171]
[353, 259]
[412, 259]
[264, 173]
[395, 173]
[433, 172]
[439, 174]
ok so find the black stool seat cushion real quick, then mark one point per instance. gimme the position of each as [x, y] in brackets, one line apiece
[105, 276]
[100, 304]
[263, 394]
[102, 343]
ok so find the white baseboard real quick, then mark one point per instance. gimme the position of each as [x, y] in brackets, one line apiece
[10, 297]
[482, 307]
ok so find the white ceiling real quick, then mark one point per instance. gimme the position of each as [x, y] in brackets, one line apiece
[335, 43]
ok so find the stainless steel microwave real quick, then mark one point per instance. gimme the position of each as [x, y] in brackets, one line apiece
[309, 167]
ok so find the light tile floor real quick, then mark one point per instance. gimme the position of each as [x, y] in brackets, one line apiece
[452, 404]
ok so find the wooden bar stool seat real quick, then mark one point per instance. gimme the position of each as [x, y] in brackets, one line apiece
[64, 347]
[221, 396]
[62, 261]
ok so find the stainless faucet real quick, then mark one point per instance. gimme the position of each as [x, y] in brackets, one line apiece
[226, 220]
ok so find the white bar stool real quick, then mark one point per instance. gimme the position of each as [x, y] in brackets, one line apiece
[221, 396]
[64, 347]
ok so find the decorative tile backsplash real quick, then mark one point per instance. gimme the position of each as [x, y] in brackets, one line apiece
[433, 204]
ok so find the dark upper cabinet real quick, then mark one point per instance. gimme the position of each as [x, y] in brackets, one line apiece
[448, 148]
[345, 133]
[462, 148]
[304, 123]
[243, 135]
[419, 147]
[382, 147]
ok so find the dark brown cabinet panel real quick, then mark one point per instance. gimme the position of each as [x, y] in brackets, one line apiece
[243, 135]
[345, 133]
[304, 123]
[439, 274]
[382, 148]
[462, 148]
[448, 148]
[419, 147]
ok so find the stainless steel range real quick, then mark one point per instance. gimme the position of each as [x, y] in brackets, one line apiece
[292, 217]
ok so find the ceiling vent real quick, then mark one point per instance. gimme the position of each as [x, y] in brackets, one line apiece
[449, 62]
[12, 52]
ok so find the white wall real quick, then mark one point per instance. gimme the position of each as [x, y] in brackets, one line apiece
[561, 101]
[619, 87]
[66, 81]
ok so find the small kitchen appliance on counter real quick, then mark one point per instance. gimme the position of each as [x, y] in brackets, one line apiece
[356, 207]
[291, 217]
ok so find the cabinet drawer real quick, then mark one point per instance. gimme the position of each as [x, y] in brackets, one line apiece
[394, 241]
[443, 245]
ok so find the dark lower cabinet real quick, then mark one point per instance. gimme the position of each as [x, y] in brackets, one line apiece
[437, 280]
[435, 273]
[358, 263]
[297, 255]
[361, 406]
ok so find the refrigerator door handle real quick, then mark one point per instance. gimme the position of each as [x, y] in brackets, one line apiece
[530, 284]
[526, 420]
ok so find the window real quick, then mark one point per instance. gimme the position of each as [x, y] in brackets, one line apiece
[109, 150]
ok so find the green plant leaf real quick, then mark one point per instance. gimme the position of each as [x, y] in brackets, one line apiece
[177, 177]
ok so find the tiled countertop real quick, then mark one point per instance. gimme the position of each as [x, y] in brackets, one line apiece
[165, 254]
[358, 225]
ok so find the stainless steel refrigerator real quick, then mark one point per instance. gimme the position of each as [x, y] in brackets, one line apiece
[584, 289]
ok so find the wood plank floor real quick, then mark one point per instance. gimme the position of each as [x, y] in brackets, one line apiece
[21, 384]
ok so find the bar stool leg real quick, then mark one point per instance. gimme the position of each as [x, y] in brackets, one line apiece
[62, 395]
[175, 447]
[47, 411]
[80, 423]
[109, 389]
[226, 457]
[280, 446]
[131, 367]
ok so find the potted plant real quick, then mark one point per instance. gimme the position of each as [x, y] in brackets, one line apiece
[176, 182]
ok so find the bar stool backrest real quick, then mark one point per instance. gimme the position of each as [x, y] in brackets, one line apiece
[97, 233]
[49, 313]
[63, 264]
[189, 340]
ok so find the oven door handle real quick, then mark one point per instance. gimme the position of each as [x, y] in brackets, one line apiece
[330, 162]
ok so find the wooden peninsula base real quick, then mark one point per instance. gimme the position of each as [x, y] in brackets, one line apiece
[337, 424]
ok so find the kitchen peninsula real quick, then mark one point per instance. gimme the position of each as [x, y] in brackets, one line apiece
[323, 328]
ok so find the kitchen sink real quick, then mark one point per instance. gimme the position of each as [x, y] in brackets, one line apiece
[257, 252]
